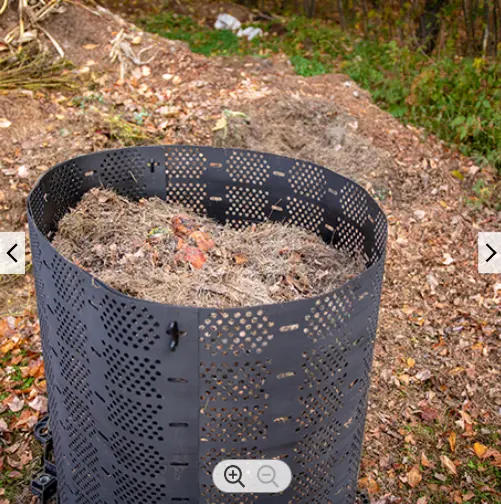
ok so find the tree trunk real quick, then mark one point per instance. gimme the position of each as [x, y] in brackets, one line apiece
[365, 11]
[340, 9]
[309, 8]
[429, 24]
[495, 14]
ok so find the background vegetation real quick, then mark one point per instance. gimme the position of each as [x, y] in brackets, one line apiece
[433, 63]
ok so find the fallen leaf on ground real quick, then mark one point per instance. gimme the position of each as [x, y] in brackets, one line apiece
[3, 425]
[447, 260]
[370, 484]
[479, 449]
[423, 375]
[452, 441]
[495, 455]
[414, 476]
[428, 413]
[448, 464]
[426, 462]
[39, 404]
[27, 418]
[14, 403]
[4, 122]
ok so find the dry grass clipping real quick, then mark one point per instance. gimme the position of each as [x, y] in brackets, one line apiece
[165, 253]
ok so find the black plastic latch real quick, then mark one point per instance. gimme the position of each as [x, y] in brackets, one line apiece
[44, 486]
[173, 332]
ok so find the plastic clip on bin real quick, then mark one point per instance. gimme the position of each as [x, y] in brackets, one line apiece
[132, 420]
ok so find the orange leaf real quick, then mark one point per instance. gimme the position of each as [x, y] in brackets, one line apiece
[414, 477]
[452, 441]
[7, 347]
[370, 484]
[479, 449]
[411, 362]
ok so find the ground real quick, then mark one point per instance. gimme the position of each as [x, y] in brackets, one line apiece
[433, 427]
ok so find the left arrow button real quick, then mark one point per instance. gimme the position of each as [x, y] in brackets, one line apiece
[9, 253]
[12, 253]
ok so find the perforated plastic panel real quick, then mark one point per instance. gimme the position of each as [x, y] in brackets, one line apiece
[134, 422]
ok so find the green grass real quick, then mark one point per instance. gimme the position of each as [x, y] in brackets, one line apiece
[454, 98]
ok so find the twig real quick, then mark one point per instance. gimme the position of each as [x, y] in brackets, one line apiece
[4, 7]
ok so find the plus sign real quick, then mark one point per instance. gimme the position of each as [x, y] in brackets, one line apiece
[233, 474]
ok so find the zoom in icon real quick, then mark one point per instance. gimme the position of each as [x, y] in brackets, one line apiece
[233, 475]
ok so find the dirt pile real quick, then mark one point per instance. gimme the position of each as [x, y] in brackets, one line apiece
[156, 251]
[309, 128]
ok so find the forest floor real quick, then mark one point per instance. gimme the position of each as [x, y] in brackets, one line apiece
[433, 427]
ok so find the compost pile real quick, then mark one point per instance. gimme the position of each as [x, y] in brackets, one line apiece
[166, 253]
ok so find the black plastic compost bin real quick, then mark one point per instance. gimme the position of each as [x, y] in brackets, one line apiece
[134, 421]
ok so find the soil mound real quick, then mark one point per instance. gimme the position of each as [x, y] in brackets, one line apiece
[309, 128]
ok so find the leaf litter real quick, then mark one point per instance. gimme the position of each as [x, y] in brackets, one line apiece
[161, 252]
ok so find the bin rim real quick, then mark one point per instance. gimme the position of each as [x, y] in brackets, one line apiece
[97, 283]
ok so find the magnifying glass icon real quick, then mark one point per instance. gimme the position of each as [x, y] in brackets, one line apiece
[233, 475]
[266, 475]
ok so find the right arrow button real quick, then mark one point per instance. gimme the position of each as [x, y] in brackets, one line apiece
[489, 256]
[493, 253]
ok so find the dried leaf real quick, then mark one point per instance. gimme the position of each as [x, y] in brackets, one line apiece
[7, 347]
[414, 476]
[39, 404]
[428, 413]
[426, 462]
[14, 403]
[221, 124]
[448, 464]
[411, 362]
[479, 449]
[452, 441]
[447, 260]
[370, 484]
[5, 123]
[3, 425]
[495, 455]
[423, 375]
[422, 500]
[27, 418]
[240, 259]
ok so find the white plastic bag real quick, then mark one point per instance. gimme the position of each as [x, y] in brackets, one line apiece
[227, 22]
[250, 32]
